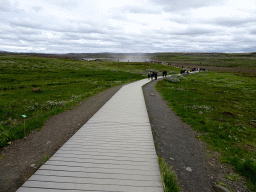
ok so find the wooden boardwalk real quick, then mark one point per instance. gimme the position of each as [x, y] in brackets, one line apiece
[113, 151]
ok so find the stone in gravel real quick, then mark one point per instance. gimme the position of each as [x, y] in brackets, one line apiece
[48, 142]
[189, 169]
[152, 94]
[171, 158]
[219, 188]
[33, 165]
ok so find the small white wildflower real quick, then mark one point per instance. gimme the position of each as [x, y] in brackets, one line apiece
[173, 79]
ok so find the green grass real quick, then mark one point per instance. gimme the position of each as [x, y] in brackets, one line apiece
[169, 178]
[232, 177]
[62, 83]
[222, 184]
[245, 60]
[222, 107]
[135, 67]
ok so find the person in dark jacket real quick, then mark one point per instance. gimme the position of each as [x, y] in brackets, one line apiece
[152, 75]
[155, 75]
[164, 73]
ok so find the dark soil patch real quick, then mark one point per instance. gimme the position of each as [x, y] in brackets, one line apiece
[197, 168]
[228, 114]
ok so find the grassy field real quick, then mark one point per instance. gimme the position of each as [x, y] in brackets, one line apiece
[221, 107]
[59, 84]
[243, 62]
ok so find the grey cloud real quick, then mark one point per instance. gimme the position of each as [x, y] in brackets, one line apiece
[25, 23]
[80, 43]
[247, 40]
[64, 3]
[124, 19]
[15, 32]
[119, 37]
[21, 37]
[172, 5]
[67, 29]
[119, 17]
[37, 8]
[86, 36]
[192, 34]
[33, 38]
[20, 30]
[5, 5]
[248, 49]
[89, 30]
[233, 22]
[8, 37]
[140, 10]
[252, 31]
[199, 31]
[112, 41]
[83, 27]
[189, 31]
[29, 31]
[70, 35]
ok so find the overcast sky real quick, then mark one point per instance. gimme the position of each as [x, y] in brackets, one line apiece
[147, 26]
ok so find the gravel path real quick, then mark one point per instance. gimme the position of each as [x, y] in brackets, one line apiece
[178, 145]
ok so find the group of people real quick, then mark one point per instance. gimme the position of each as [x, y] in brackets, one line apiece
[185, 71]
[153, 74]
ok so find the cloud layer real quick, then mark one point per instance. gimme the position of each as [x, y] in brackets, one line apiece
[63, 26]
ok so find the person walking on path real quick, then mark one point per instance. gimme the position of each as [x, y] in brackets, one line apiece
[149, 75]
[152, 75]
[155, 75]
[164, 73]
